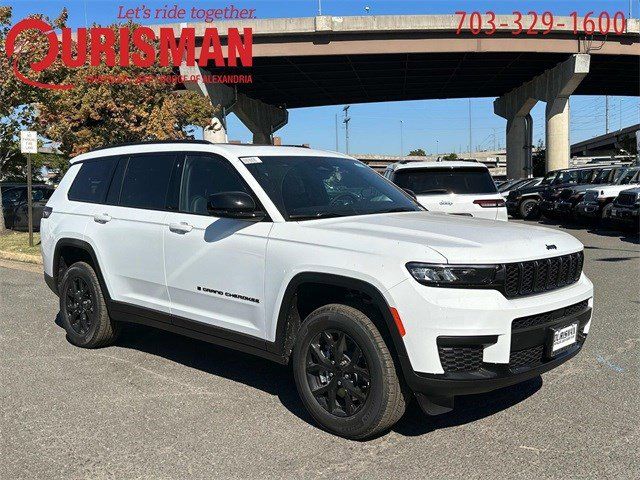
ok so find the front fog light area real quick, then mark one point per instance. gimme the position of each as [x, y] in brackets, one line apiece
[454, 275]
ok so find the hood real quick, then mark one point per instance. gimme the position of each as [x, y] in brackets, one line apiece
[612, 190]
[458, 239]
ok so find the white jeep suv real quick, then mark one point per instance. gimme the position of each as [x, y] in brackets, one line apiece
[310, 257]
[456, 187]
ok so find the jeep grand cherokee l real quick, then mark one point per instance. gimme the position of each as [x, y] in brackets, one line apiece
[311, 258]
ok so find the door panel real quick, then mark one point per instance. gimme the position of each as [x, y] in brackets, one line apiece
[128, 230]
[214, 266]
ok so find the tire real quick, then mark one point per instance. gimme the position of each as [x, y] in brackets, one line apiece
[368, 397]
[83, 309]
[529, 209]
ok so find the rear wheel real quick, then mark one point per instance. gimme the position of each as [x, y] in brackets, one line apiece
[345, 374]
[529, 209]
[83, 309]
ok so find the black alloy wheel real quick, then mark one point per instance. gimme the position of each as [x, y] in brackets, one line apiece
[80, 306]
[337, 373]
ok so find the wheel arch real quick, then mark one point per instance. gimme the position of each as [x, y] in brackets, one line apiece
[70, 250]
[372, 302]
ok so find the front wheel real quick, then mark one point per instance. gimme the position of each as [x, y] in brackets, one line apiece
[529, 209]
[345, 374]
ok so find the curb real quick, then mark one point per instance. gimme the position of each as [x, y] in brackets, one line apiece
[21, 257]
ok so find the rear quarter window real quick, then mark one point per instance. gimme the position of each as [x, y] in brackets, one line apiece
[92, 181]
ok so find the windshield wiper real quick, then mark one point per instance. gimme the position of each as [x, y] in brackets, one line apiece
[434, 190]
[316, 215]
[398, 209]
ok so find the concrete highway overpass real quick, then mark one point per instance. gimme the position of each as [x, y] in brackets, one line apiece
[325, 60]
[609, 143]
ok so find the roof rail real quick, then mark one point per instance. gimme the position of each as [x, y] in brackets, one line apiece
[152, 142]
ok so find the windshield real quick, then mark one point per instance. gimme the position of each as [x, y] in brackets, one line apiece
[513, 185]
[305, 188]
[434, 181]
[630, 176]
[574, 176]
[602, 176]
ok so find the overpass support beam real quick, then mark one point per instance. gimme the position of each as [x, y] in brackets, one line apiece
[260, 118]
[554, 87]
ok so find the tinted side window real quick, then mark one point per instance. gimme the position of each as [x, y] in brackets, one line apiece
[92, 181]
[204, 175]
[146, 180]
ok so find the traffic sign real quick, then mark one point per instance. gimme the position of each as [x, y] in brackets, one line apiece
[28, 141]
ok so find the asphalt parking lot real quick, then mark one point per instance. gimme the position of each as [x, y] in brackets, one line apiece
[161, 406]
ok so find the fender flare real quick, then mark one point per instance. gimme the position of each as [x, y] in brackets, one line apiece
[85, 246]
[280, 346]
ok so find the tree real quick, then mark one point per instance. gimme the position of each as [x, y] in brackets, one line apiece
[419, 152]
[450, 156]
[139, 106]
[92, 114]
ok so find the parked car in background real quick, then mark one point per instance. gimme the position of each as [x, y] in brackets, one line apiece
[455, 187]
[524, 202]
[626, 207]
[558, 201]
[15, 208]
[598, 201]
[524, 183]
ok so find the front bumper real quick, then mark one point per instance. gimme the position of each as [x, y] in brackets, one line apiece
[484, 323]
[625, 214]
[588, 209]
[512, 207]
[564, 207]
[548, 206]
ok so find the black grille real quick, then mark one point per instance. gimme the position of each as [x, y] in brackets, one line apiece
[529, 357]
[626, 199]
[461, 359]
[536, 276]
[542, 318]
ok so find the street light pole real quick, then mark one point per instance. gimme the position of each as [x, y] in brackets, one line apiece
[319, 7]
[346, 120]
[401, 138]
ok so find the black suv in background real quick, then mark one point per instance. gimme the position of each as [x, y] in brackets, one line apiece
[626, 208]
[14, 205]
[525, 202]
[567, 199]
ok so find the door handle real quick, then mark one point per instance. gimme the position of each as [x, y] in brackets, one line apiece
[182, 227]
[101, 217]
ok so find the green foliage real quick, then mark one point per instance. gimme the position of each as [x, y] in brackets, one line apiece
[539, 161]
[450, 156]
[419, 152]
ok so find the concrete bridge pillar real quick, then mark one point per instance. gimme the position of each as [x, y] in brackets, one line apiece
[554, 86]
[557, 134]
[260, 118]
[516, 146]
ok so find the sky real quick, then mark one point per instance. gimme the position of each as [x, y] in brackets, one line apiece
[437, 126]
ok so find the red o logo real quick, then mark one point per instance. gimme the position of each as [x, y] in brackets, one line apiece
[49, 58]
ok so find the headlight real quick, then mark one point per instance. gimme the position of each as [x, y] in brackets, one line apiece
[454, 275]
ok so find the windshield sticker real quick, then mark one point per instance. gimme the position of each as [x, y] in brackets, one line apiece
[250, 160]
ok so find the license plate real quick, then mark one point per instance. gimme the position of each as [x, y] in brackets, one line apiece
[613, 211]
[562, 338]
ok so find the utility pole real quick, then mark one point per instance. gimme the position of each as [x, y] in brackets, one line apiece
[470, 138]
[437, 148]
[606, 114]
[346, 120]
[319, 7]
[401, 139]
[337, 132]
[494, 139]
[620, 115]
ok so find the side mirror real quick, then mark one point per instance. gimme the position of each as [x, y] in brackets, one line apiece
[411, 193]
[233, 205]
